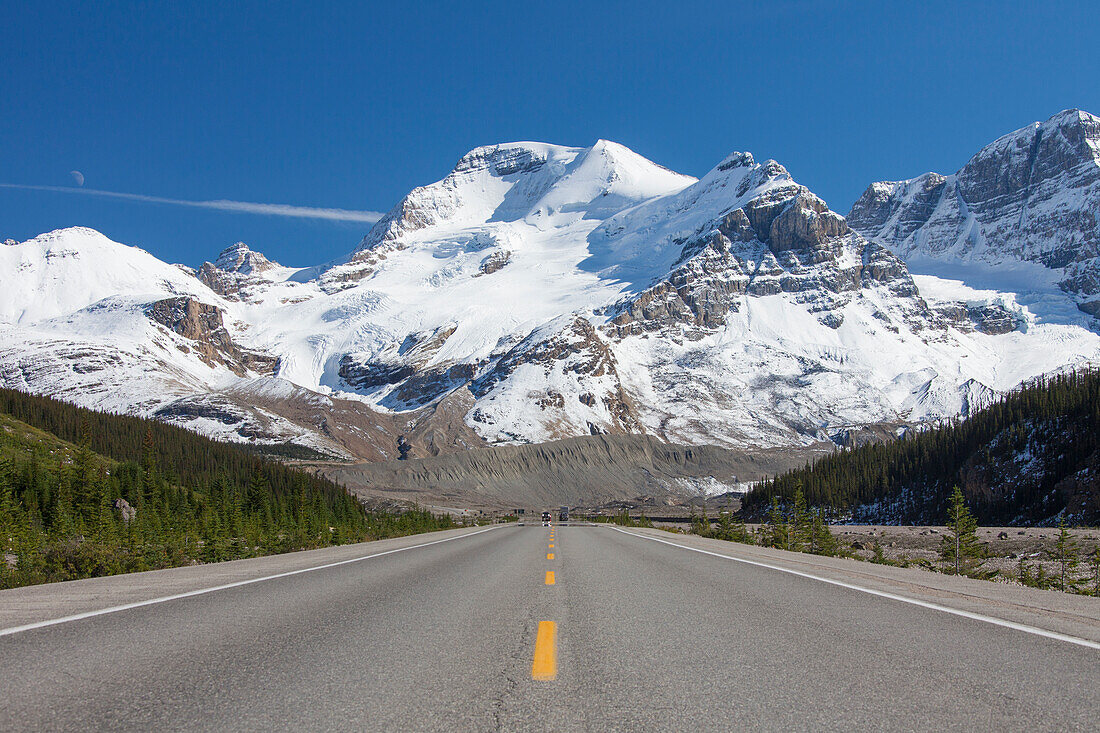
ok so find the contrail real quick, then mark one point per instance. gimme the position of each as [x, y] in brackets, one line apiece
[241, 207]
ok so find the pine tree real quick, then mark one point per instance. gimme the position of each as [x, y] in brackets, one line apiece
[801, 524]
[704, 522]
[775, 526]
[738, 531]
[10, 521]
[1023, 571]
[148, 465]
[960, 547]
[1065, 553]
[1094, 563]
[822, 540]
[725, 526]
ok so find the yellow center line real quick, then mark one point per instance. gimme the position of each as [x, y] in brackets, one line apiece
[549, 577]
[545, 666]
[551, 545]
[549, 556]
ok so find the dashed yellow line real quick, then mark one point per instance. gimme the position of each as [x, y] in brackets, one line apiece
[545, 666]
[549, 556]
[549, 577]
[551, 545]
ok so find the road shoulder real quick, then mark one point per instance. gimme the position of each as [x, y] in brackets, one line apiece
[40, 603]
[1060, 613]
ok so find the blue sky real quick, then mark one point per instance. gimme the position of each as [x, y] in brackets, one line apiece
[351, 105]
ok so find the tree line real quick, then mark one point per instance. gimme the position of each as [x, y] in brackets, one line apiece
[1054, 422]
[85, 493]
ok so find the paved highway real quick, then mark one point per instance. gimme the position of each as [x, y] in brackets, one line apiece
[496, 629]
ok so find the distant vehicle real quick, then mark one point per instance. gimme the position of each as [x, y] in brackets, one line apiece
[563, 514]
[546, 519]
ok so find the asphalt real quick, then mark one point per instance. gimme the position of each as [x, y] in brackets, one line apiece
[424, 634]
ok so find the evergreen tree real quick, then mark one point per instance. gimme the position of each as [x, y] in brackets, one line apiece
[775, 529]
[822, 540]
[800, 527]
[738, 531]
[1065, 553]
[1094, 564]
[1023, 571]
[724, 530]
[960, 548]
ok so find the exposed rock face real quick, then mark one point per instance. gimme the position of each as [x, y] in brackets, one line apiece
[992, 319]
[202, 325]
[125, 511]
[494, 262]
[786, 240]
[579, 388]
[411, 367]
[236, 269]
[1031, 196]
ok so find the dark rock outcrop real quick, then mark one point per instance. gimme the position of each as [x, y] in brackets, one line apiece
[201, 323]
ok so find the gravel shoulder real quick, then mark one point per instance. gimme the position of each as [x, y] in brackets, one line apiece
[1065, 613]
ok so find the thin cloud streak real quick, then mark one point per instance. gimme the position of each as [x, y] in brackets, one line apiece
[240, 207]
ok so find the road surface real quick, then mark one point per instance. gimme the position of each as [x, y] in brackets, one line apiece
[495, 629]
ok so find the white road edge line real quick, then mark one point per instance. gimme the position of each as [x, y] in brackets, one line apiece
[883, 594]
[237, 584]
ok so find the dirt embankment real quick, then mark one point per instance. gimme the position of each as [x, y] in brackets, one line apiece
[588, 470]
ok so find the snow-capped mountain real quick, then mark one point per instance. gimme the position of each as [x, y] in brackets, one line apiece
[1023, 214]
[536, 292]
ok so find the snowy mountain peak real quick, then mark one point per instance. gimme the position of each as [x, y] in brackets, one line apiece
[238, 270]
[736, 160]
[63, 271]
[239, 258]
[540, 291]
[1026, 204]
[1039, 150]
[506, 159]
[1078, 130]
[511, 195]
[1073, 117]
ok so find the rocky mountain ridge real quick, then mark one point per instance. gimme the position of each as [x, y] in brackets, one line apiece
[1028, 200]
[536, 293]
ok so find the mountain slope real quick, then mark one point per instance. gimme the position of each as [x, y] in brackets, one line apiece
[1022, 214]
[535, 293]
[1031, 458]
